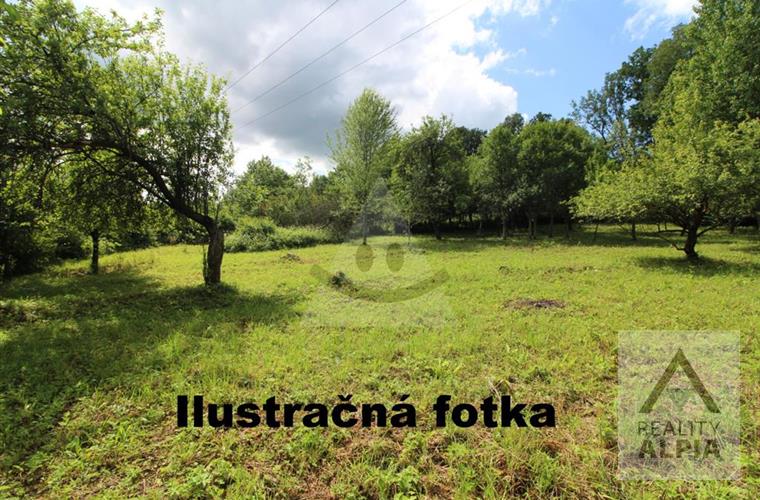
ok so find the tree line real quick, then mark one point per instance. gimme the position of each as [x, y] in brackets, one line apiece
[105, 134]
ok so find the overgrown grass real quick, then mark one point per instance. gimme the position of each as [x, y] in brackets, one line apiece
[91, 367]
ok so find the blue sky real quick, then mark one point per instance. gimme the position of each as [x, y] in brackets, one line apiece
[572, 44]
[483, 60]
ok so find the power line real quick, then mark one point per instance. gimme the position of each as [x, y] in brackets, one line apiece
[339, 75]
[322, 56]
[281, 45]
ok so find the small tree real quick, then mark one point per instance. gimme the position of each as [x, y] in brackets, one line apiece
[98, 205]
[360, 151]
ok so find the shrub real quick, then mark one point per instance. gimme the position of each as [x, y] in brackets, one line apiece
[259, 234]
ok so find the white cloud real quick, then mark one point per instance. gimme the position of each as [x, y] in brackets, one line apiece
[443, 69]
[651, 13]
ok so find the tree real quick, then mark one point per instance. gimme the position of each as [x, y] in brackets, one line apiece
[552, 157]
[495, 175]
[97, 205]
[429, 165]
[99, 88]
[360, 151]
[703, 169]
[263, 190]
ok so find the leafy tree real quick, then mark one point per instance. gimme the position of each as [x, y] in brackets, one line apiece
[495, 176]
[471, 138]
[704, 167]
[361, 149]
[552, 161]
[264, 190]
[429, 167]
[78, 83]
[97, 205]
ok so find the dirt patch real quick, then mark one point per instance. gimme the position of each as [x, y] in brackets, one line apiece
[534, 304]
[569, 269]
[291, 257]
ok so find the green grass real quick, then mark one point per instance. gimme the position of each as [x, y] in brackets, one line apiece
[91, 367]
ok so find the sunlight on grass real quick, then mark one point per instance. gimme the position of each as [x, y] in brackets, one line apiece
[92, 366]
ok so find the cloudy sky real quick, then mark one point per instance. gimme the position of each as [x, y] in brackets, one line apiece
[484, 60]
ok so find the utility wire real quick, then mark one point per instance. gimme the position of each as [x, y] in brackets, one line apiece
[320, 57]
[281, 46]
[339, 75]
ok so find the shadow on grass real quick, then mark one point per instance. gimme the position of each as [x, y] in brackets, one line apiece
[704, 266]
[519, 239]
[63, 338]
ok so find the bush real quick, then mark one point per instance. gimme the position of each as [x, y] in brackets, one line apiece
[259, 234]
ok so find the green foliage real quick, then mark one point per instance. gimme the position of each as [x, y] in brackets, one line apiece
[553, 157]
[495, 175]
[79, 86]
[429, 174]
[254, 234]
[360, 151]
[703, 169]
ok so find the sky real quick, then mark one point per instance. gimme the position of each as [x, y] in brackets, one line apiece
[478, 61]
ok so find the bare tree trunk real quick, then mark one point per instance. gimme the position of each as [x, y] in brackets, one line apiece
[504, 227]
[596, 230]
[480, 226]
[364, 226]
[437, 230]
[633, 231]
[94, 266]
[531, 227]
[212, 272]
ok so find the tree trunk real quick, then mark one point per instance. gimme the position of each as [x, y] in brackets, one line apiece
[551, 224]
[480, 226]
[7, 267]
[691, 242]
[94, 266]
[364, 227]
[212, 271]
[569, 225]
[504, 227]
[732, 227]
[633, 231]
[437, 229]
[531, 227]
[596, 231]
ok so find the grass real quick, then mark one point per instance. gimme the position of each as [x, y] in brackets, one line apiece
[91, 367]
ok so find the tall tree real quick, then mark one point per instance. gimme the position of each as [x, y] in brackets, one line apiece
[553, 157]
[704, 169]
[428, 167]
[496, 174]
[360, 151]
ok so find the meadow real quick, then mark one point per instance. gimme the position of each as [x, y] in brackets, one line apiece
[92, 366]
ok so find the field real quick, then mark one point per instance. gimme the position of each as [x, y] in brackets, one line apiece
[92, 365]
